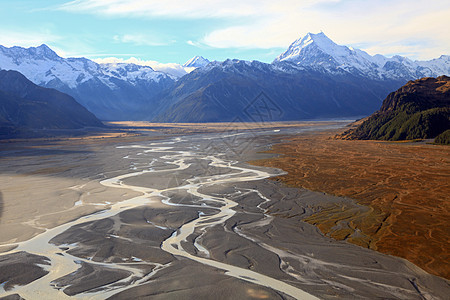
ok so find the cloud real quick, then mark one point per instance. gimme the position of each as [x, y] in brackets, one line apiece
[141, 40]
[169, 8]
[132, 60]
[21, 38]
[413, 28]
[266, 24]
[63, 46]
[195, 44]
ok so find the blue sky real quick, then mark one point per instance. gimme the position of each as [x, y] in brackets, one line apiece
[174, 30]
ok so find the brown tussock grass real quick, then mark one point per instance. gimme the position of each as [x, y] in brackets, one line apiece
[404, 185]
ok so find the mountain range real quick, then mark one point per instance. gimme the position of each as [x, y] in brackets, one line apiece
[313, 78]
[319, 52]
[26, 107]
[236, 90]
[110, 91]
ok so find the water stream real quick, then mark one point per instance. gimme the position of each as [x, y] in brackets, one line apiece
[62, 263]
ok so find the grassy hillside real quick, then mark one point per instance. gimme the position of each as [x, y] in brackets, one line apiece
[443, 138]
[418, 110]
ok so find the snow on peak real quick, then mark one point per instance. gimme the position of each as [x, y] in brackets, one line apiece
[196, 62]
[173, 70]
[43, 52]
[313, 45]
[126, 67]
[129, 72]
[43, 66]
[319, 52]
[320, 39]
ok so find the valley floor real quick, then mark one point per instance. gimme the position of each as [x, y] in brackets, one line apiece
[175, 212]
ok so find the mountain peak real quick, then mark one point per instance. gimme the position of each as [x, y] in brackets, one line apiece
[319, 41]
[196, 62]
[44, 47]
[317, 37]
[44, 51]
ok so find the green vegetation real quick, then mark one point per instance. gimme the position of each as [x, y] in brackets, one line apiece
[443, 138]
[403, 124]
[418, 110]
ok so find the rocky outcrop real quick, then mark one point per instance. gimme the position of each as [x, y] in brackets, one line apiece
[418, 110]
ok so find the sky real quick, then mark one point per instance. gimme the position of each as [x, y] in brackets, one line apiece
[173, 31]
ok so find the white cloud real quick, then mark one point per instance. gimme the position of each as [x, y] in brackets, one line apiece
[141, 39]
[170, 8]
[10, 38]
[63, 46]
[195, 44]
[268, 23]
[131, 60]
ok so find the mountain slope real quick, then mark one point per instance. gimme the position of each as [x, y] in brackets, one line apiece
[418, 110]
[230, 91]
[110, 91]
[25, 106]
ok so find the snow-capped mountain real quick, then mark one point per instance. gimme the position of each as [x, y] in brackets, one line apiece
[319, 52]
[71, 71]
[110, 91]
[255, 91]
[173, 69]
[313, 78]
[196, 62]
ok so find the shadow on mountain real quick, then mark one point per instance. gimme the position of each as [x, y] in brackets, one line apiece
[28, 110]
